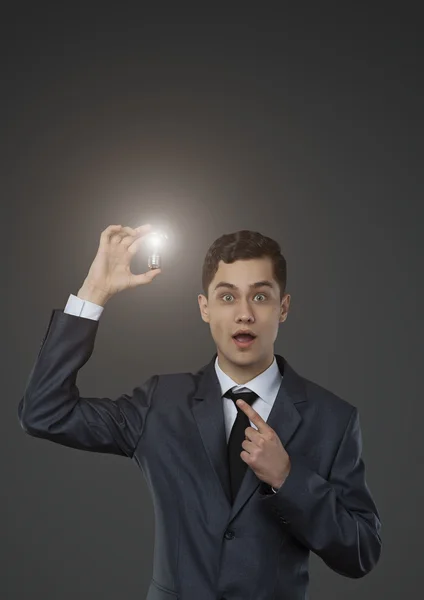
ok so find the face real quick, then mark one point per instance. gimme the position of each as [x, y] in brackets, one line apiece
[240, 305]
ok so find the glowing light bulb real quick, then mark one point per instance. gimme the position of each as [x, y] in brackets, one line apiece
[155, 242]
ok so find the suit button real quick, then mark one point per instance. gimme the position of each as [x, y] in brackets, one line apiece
[229, 535]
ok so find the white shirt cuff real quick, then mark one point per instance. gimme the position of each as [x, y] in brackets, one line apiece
[83, 308]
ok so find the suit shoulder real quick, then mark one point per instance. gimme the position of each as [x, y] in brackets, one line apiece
[166, 380]
[170, 377]
[182, 376]
[326, 398]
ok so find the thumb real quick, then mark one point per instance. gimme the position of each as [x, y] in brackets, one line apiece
[144, 277]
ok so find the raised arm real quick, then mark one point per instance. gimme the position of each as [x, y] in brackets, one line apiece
[51, 406]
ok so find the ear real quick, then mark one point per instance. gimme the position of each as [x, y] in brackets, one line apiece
[203, 306]
[285, 304]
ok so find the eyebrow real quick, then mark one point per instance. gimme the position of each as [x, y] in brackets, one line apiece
[258, 284]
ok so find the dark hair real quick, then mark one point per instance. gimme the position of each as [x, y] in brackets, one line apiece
[243, 245]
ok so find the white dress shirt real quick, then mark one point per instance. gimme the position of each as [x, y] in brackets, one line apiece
[266, 384]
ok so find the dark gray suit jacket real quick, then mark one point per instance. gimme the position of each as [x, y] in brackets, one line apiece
[172, 426]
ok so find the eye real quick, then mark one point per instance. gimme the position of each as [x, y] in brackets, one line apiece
[259, 294]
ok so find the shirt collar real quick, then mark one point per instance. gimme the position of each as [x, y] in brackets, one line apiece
[266, 384]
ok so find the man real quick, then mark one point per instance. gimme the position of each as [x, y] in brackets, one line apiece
[243, 492]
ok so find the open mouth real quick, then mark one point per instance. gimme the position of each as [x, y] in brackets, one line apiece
[244, 340]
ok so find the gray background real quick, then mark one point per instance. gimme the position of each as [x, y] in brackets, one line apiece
[305, 128]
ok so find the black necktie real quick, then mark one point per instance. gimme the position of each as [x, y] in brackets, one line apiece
[237, 436]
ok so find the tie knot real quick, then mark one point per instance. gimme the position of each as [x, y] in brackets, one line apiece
[248, 397]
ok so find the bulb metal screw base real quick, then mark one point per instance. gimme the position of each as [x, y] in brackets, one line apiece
[154, 261]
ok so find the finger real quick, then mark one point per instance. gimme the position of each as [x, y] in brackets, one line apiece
[139, 233]
[108, 232]
[128, 236]
[143, 228]
[134, 243]
[253, 416]
[128, 231]
[252, 434]
[248, 446]
[144, 277]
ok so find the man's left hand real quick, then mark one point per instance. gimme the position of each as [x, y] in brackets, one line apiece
[263, 451]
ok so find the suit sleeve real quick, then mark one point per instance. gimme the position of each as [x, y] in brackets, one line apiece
[337, 518]
[52, 408]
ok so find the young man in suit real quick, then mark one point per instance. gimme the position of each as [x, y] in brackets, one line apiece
[243, 491]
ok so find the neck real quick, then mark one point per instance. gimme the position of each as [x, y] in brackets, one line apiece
[242, 373]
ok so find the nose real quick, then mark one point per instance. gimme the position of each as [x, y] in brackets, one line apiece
[245, 313]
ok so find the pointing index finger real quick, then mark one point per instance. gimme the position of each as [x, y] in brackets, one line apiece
[253, 415]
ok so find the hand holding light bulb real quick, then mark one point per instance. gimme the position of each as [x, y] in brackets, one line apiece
[110, 271]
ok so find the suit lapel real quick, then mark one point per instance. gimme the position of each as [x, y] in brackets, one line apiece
[208, 412]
